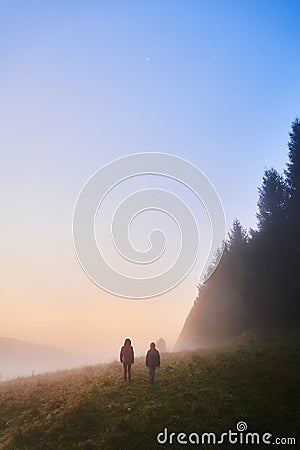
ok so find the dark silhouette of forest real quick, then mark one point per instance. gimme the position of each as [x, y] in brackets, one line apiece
[257, 283]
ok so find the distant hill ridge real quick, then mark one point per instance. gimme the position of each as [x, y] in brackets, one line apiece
[18, 357]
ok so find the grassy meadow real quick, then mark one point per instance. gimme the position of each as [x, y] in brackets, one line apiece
[253, 379]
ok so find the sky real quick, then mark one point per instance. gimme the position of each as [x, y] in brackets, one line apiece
[85, 83]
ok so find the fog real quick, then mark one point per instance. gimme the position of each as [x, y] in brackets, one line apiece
[19, 358]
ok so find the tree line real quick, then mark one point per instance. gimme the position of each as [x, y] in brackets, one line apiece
[257, 283]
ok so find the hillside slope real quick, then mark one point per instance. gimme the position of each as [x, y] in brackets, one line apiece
[255, 380]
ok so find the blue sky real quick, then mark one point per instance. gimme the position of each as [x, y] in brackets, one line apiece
[82, 83]
[214, 82]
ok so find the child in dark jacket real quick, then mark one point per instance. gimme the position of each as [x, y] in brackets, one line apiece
[152, 361]
[127, 358]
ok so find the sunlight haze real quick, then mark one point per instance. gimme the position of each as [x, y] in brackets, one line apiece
[84, 83]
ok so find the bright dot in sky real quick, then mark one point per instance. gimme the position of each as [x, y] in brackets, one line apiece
[147, 59]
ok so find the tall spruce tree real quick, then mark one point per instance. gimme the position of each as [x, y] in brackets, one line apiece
[293, 167]
[269, 257]
[293, 181]
[293, 228]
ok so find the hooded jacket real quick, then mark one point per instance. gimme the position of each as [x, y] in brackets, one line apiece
[152, 358]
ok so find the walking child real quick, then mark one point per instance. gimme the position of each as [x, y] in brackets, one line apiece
[152, 361]
[127, 358]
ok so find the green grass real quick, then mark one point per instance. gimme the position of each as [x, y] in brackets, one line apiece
[254, 379]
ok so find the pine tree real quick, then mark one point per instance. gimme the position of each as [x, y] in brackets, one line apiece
[293, 182]
[293, 167]
[237, 237]
[293, 226]
[272, 201]
[269, 257]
